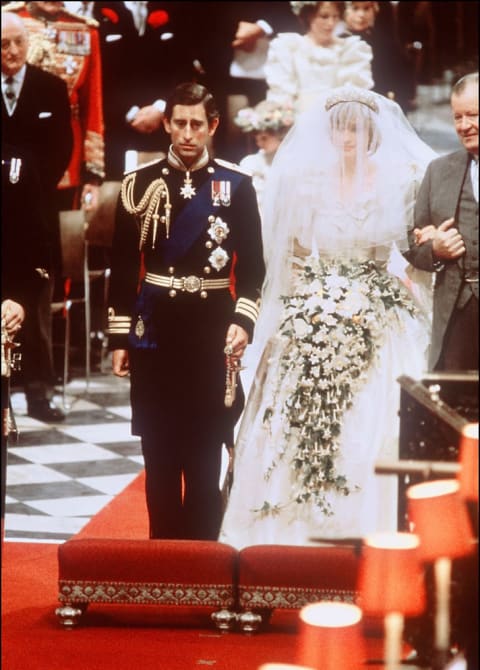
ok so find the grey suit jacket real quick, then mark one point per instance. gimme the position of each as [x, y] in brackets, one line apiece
[438, 200]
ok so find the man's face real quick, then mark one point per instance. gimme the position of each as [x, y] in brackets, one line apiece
[189, 131]
[14, 47]
[360, 15]
[465, 117]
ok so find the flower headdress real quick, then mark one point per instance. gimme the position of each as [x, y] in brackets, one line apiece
[264, 116]
[298, 6]
[375, 6]
[349, 93]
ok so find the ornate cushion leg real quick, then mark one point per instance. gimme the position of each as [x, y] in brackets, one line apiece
[69, 615]
[250, 622]
[224, 620]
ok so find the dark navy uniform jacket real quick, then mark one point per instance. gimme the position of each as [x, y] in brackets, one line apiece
[176, 336]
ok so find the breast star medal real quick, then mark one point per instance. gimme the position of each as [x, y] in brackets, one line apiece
[187, 191]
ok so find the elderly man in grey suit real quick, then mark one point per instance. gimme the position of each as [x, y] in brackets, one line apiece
[445, 237]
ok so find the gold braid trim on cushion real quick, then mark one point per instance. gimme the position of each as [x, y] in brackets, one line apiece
[159, 593]
[288, 597]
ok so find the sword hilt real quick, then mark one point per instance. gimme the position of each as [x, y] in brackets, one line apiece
[232, 370]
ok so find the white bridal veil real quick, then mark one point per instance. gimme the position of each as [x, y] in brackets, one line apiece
[353, 152]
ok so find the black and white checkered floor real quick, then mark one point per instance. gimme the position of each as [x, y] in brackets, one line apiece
[59, 476]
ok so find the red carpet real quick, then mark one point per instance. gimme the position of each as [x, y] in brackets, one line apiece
[124, 517]
[115, 637]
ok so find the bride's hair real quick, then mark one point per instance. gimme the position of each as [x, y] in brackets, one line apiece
[358, 118]
[354, 109]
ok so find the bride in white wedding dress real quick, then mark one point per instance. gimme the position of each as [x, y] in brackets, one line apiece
[336, 329]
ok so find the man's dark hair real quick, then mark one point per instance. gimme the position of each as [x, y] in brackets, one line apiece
[191, 93]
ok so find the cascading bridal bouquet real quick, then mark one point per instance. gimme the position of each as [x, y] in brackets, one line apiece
[334, 332]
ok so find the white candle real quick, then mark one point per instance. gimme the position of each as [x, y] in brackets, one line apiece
[443, 569]
[393, 640]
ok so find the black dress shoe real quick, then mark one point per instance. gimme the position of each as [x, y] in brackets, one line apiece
[45, 410]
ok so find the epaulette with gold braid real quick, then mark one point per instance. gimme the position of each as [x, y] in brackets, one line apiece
[13, 6]
[16, 6]
[142, 166]
[93, 23]
[231, 166]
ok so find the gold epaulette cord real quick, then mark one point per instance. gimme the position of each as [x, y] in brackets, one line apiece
[148, 206]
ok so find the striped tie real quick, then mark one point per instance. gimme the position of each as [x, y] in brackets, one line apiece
[10, 94]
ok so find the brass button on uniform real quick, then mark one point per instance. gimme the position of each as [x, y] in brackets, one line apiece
[207, 269]
[172, 293]
[203, 294]
[209, 244]
[171, 270]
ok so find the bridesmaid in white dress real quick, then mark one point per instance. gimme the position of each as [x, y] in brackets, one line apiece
[299, 67]
[336, 328]
[268, 123]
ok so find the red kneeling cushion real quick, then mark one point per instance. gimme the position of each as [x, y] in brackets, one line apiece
[286, 576]
[147, 571]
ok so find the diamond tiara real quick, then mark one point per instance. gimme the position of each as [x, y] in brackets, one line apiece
[298, 6]
[352, 94]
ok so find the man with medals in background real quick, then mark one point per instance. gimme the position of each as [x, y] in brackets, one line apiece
[187, 270]
[67, 45]
[36, 148]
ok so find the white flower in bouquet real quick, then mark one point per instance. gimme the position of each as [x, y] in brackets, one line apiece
[333, 333]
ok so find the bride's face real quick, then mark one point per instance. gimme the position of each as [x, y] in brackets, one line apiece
[352, 131]
[349, 142]
[346, 139]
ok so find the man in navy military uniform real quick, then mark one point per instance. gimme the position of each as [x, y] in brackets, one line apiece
[187, 270]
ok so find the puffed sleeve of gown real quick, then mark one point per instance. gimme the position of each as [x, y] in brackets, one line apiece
[280, 73]
[355, 63]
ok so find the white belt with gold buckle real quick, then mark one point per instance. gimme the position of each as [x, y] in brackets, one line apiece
[190, 284]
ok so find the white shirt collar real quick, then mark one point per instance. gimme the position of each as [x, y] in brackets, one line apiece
[139, 12]
[474, 176]
[132, 6]
[18, 77]
[175, 161]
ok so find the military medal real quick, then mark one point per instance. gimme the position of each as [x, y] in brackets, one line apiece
[70, 65]
[218, 230]
[139, 328]
[221, 193]
[218, 258]
[74, 42]
[187, 191]
[14, 173]
[50, 32]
